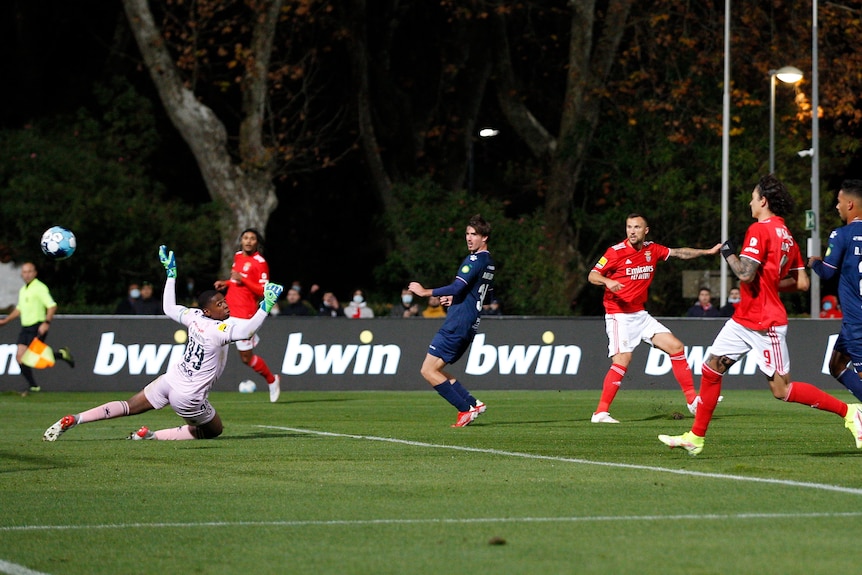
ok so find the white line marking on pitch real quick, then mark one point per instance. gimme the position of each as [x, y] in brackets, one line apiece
[450, 520]
[15, 569]
[786, 482]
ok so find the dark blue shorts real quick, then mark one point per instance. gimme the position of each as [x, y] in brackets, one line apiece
[849, 343]
[450, 346]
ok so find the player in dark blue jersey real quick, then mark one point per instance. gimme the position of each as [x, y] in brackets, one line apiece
[844, 256]
[464, 298]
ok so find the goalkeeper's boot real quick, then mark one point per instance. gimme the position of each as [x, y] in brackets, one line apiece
[688, 441]
[142, 433]
[480, 408]
[853, 422]
[55, 431]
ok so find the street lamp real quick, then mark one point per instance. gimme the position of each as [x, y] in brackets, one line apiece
[484, 133]
[788, 75]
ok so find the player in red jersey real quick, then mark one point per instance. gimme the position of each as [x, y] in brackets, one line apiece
[626, 272]
[248, 276]
[770, 262]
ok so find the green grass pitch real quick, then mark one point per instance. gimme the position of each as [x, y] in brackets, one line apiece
[378, 483]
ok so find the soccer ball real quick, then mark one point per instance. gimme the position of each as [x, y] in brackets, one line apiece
[247, 386]
[58, 243]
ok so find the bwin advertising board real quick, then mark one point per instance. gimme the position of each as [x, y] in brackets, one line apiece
[125, 353]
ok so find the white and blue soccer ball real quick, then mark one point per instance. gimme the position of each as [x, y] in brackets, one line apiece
[58, 243]
[247, 386]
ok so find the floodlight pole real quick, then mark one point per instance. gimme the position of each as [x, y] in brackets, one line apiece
[725, 148]
[814, 245]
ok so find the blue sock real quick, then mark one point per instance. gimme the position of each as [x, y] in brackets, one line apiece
[462, 391]
[850, 379]
[449, 394]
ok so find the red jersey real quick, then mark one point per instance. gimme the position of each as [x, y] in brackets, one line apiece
[632, 268]
[244, 299]
[770, 244]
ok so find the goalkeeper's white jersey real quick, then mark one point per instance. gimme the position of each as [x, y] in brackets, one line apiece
[206, 352]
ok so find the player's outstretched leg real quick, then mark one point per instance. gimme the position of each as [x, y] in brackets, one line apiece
[468, 397]
[273, 381]
[465, 418]
[54, 432]
[66, 356]
[853, 422]
[682, 373]
[692, 443]
[610, 386]
[143, 433]
[274, 388]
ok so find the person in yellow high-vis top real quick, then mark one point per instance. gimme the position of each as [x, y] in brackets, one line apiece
[36, 308]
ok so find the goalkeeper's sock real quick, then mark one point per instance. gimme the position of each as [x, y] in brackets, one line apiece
[448, 392]
[259, 365]
[462, 391]
[174, 433]
[108, 410]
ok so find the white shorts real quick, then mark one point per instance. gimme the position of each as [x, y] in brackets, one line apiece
[244, 344]
[194, 408]
[627, 330]
[772, 355]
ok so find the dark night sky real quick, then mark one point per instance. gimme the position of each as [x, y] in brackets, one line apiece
[56, 50]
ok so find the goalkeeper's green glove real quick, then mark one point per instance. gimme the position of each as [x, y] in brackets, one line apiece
[167, 259]
[271, 292]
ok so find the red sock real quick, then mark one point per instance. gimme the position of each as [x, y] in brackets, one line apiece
[807, 394]
[682, 373]
[611, 386]
[260, 366]
[710, 389]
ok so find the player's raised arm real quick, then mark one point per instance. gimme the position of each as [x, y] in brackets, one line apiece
[744, 268]
[169, 295]
[417, 288]
[245, 329]
[691, 253]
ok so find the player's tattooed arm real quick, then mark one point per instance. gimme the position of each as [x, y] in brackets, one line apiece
[691, 253]
[744, 268]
